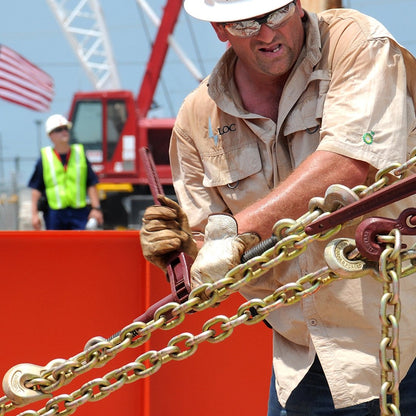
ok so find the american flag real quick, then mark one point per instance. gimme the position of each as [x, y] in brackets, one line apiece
[23, 83]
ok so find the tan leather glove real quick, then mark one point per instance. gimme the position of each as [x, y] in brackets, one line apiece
[166, 231]
[222, 249]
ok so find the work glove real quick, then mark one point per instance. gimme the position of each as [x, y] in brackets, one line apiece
[165, 232]
[222, 249]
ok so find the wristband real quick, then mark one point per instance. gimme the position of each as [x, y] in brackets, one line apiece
[96, 208]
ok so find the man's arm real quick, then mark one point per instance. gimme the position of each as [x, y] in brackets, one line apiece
[291, 198]
[223, 250]
[36, 222]
[95, 203]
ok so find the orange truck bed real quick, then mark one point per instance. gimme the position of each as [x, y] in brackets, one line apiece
[61, 288]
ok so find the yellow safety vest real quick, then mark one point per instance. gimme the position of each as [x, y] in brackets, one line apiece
[66, 186]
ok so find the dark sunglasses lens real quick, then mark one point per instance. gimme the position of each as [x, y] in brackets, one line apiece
[280, 16]
[244, 29]
[249, 28]
[59, 129]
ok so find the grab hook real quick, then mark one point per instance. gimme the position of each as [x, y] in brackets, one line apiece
[14, 384]
[367, 232]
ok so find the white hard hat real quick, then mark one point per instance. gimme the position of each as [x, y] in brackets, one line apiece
[231, 10]
[56, 120]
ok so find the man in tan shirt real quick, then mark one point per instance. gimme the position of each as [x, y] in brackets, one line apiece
[298, 102]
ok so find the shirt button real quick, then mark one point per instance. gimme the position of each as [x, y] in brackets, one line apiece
[233, 185]
[313, 322]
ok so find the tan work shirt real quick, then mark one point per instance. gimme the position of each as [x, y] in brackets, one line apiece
[349, 93]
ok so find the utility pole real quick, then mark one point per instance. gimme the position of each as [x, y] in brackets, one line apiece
[320, 5]
[39, 133]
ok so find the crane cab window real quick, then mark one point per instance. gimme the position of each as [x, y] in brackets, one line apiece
[116, 119]
[87, 125]
[97, 137]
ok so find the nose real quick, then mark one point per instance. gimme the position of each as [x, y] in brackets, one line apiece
[266, 34]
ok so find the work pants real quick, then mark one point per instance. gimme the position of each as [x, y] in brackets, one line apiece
[67, 219]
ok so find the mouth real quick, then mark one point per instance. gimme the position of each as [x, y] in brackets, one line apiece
[271, 49]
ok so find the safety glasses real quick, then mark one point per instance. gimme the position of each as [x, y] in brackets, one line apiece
[251, 27]
[59, 129]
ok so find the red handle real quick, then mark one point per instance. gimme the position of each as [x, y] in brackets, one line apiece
[395, 192]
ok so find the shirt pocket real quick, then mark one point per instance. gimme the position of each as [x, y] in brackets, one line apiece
[237, 175]
[227, 167]
[307, 113]
[303, 125]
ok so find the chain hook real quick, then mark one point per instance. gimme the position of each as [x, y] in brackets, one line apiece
[337, 256]
[14, 384]
[366, 235]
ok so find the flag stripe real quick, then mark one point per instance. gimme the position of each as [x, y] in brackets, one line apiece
[15, 59]
[19, 82]
[10, 69]
[23, 83]
[10, 86]
[18, 99]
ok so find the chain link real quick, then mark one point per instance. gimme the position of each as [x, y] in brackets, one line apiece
[390, 270]
[293, 241]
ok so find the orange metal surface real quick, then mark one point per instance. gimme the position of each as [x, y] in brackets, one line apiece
[61, 288]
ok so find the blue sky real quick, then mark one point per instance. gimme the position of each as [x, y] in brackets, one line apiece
[39, 38]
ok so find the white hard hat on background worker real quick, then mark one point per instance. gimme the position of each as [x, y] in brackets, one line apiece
[55, 121]
[231, 10]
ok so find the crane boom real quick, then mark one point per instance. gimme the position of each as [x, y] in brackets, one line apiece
[172, 43]
[83, 24]
[157, 56]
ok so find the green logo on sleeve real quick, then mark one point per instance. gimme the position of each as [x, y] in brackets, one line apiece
[368, 138]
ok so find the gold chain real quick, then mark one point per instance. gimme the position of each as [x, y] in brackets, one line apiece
[391, 272]
[293, 241]
[214, 330]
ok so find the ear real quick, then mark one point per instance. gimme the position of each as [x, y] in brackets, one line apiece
[221, 32]
[299, 7]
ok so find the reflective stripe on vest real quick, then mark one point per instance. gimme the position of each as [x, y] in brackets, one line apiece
[65, 187]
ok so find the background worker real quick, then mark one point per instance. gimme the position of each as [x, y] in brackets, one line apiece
[64, 175]
[298, 102]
